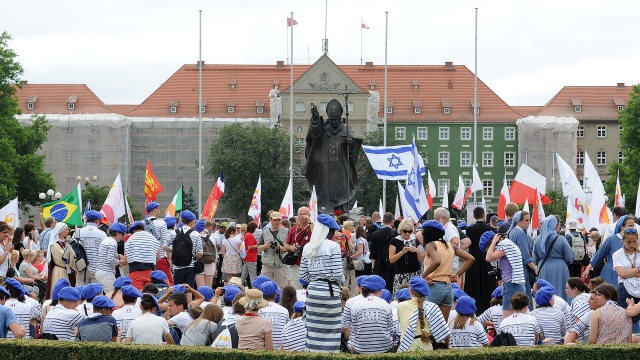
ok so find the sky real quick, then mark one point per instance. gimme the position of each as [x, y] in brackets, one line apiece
[527, 50]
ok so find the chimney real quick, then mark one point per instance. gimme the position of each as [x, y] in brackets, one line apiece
[198, 63]
[24, 83]
[368, 65]
[448, 65]
[620, 86]
[280, 64]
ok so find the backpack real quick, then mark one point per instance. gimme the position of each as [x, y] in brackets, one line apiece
[504, 339]
[209, 253]
[148, 227]
[182, 248]
[577, 245]
[75, 256]
[223, 339]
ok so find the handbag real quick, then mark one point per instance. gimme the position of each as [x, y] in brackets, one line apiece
[350, 265]
[358, 265]
[198, 267]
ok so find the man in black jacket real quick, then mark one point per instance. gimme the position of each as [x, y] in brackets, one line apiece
[379, 251]
[479, 285]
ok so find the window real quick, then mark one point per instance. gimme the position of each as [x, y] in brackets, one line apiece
[580, 158]
[620, 107]
[91, 142]
[231, 109]
[300, 141]
[203, 109]
[465, 133]
[299, 106]
[465, 159]
[602, 131]
[30, 106]
[71, 106]
[323, 106]
[389, 110]
[577, 108]
[466, 182]
[487, 159]
[444, 133]
[401, 133]
[580, 131]
[509, 159]
[350, 106]
[601, 158]
[299, 129]
[509, 182]
[173, 109]
[95, 130]
[68, 130]
[478, 110]
[422, 133]
[447, 110]
[68, 155]
[417, 110]
[443, 187]
[487, 188]
[620, 157]
[487, 133]
[510, 133]
[260, 109]
[443, 158]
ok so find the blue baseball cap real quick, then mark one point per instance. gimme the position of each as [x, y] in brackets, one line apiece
[92, 290]
[118, 227]
[329, 221]
[466, 306]
[103, 302]
[206, 291]
[543, 295]
[93, 215]
[230, 292]
[170, 221]
[360, 279]
[122, 281]
[158, 276]
[419, 285]
[374, 283]
[187, 215]
[298, 306]
[69, 293]
[152, 205]
[179, 289]
[403, 294]
[544, 283]
[60, 284]
[129, 291]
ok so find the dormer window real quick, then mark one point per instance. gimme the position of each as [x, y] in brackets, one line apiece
[31, 102]
[173, 106]
[477, 107]
[30, 106]
[577, 104]
[231, 106]
[372, 84]
[577, 108]
[259, 106]
[390, 107]
[446, 106]
[71, 102]
[446, 110]
[415, 84]
[417, 106]
[232, 82]
[619, 103]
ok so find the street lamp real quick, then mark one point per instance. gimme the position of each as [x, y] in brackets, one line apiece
[50, 195]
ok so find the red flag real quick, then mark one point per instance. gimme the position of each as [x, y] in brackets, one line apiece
[211, 206]
[152, 186]
[364, 26]
[291, 22]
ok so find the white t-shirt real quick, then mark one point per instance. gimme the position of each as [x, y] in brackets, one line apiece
[125, 315]
[632, 284]
[450, 232]
[278, 316]
[471, 337]
[182, 320]
[34, 245]
[4, 266]
[81, 309]
[148, 329]
[583, 326]
[523, 327]
[560, 303]
[346, 313]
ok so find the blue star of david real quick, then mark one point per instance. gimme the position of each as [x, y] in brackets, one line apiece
[411, 176]
[392, 158]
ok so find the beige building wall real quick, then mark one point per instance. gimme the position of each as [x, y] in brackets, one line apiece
[592, 143]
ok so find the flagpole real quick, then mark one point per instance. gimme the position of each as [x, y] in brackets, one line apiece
[200, 167]
[475, 102]
[291, 106]
[360, 40]
[386, 31]
[288, 41]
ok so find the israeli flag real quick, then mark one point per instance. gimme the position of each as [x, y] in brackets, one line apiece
[414, 194]
[392, 162]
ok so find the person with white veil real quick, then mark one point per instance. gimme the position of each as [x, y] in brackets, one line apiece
[517, 233]
[57, 268]
[321, 267]
[552, 254]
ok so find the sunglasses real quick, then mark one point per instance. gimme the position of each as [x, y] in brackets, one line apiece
[407, 231]
[631, 231]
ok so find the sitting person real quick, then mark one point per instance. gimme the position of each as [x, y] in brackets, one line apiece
[201, 331]
[148, 328]
[294, 333]
[524, 327]
[274, 312]
[129, 311]
[24, 311]
[466, 331]
[493, 315]
[88, 293]
[63, 319]
[8, 319]
[580, 330]
[254, 331]
[609, 323]
[549, 317]
[371, 320]
[100, 326]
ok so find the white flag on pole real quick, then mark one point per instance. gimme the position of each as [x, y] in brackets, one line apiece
[380, 208]
[313, 205]
[9, 213]
[397, 214]
[445, 198]
[113, 207]
[255, 209]
[286, 207]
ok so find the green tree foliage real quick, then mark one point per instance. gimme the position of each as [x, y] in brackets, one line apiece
[97, 195]
[21, 169]
[558, 205]
[629, 118]
[189, 201]
[245, 152]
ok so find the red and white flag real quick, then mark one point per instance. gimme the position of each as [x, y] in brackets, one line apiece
[538, 212]
[504, 199]
[210, 207]
[113, 207]
[286, 208]
[363, 25]
[524, 186]
[313, 205]
[291, 22]
[255, 208]
[476, 185]
[431, 190]
[458, 201]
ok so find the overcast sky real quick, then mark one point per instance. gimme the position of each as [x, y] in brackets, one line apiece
[527, 50]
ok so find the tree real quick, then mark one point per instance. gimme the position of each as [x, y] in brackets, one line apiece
[629, 118]
[21, 169]
[558, 204]
[245, 152]
[97, 195]
[189, 201]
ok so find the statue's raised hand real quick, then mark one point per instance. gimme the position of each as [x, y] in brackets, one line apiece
[314, 113]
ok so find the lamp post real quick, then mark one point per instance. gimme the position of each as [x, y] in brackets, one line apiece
[87, 179]
[50, 195]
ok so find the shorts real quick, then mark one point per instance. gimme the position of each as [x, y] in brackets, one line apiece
[209, 269]
[441, 293]
[508, 290]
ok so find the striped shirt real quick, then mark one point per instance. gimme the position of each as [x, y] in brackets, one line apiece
[62, 322]
[493, 314]
[523, 327]
[552, 322]
[294, 335]
[371, 326]
[326, 263]
[471, 337]
[579, 306]
[346, 313]
[560, 303]
[433, 317]
[108, 256]
[90, 237]
[196, 239]
[162, 233]
[582, 327]
[514, 258]
[278, 316]
[124, 316]
[24, 313]
[141, 247]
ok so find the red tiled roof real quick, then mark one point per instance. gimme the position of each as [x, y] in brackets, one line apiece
[598, 102]
[122, 109]
[527, 110]
[52, 99]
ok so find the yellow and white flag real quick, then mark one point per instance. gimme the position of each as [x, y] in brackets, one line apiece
[9, 213]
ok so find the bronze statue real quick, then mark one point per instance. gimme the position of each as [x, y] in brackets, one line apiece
[331, 153]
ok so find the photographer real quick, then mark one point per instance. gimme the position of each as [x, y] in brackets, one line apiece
[510, 264]
[272, 243]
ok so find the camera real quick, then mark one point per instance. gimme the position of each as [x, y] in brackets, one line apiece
[495, 272]
[274, 245]
[298, 251]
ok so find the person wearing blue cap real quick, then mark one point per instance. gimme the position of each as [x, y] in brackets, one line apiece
[466, 331]
[8, 320]
[23, 311]
[179, 306]
[421, 319]
[100, 326]
[161, 233]
[371, 320]
[346, 311]
[274, 312]
[549, 317]
[90, 237]
[523, 326]
[477, 283]
[88, 293]
[129, 311]
[108, 257]
[142, 251]
[116, 295]
[184, 249]
[63, 319]
[294, 333]
[493, 315]
[321, 266]
[148, 328]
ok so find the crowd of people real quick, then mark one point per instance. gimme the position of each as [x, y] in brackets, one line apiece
[374, 285]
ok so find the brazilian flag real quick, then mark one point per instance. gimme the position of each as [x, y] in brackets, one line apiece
[66, 210]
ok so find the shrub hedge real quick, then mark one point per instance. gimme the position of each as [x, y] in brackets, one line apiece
[64, 350]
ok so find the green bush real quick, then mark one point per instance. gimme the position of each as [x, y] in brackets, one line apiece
[64, 350]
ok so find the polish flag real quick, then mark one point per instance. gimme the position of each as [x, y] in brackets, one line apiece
[364, 26]
[445, 198]
[525, 184]
[431, 193]
[503, 200]
[458, 201]
[476, 185]
[291, 22]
